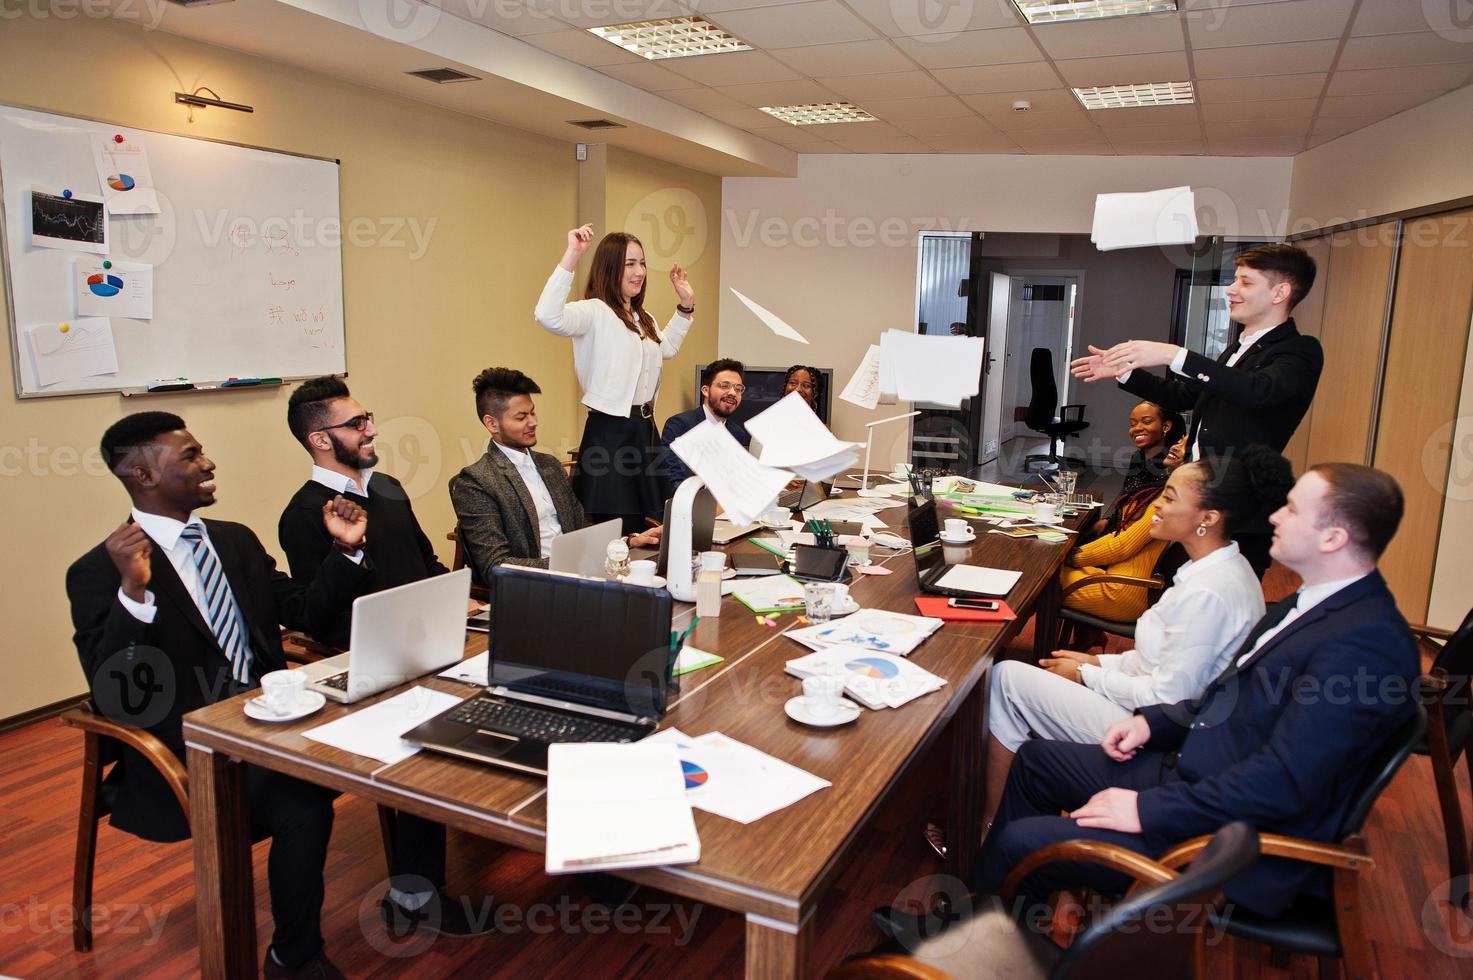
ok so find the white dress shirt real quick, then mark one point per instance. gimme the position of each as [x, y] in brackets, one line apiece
[164, 532]
[649, 372]
[1187, 637]
[339, 483]
[548, 524]
[1309, 597]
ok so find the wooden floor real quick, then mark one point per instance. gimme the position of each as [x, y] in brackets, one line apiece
[146, 924]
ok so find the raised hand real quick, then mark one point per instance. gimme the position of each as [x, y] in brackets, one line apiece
[578, 241]
[683, 291]
[346, 522]
[1093, 367]
[1124, 737]
[1134, 354]
[130, 549]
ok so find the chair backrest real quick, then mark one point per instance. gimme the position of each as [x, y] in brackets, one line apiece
[1045, 399]
[1455, 660]
[1155, 931]
[1384, 762]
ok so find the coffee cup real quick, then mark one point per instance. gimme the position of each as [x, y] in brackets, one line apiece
[282, 690]
[822, 693]
[840, 599]
[713, 561]
[1045, 511]
[641, 572]
[958, 528]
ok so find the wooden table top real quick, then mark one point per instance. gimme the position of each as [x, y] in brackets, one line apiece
[775, 866]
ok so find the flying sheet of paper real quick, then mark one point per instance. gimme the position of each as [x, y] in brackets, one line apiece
[863, 388]
[793, 438]
[62, 218]
[374, 731]
[123, 174]
[1165, 217]
[108, 288]
[743, 486]
[774, 322]
[935, 369]
[81, 350]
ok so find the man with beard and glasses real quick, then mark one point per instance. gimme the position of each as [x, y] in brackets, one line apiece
[721, 395]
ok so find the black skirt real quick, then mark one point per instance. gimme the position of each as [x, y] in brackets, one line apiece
[619, 466]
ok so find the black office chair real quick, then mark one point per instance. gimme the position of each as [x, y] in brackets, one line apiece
[1041, 414]
[1445, 693]
[993, 945]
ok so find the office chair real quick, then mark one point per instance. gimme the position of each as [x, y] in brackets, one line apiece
[993, 946]
[1445, 689]
[1041, 417]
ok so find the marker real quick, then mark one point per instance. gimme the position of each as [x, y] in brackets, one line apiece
[240, 382]
[171, 384]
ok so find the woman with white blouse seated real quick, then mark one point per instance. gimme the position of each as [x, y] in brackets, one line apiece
[1181, 643]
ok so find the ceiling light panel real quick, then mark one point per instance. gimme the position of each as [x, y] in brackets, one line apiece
[819, 113]
[673, 37]
[1059, 11]
[1135, 96]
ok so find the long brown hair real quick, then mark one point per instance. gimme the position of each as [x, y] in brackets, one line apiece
[605, 279]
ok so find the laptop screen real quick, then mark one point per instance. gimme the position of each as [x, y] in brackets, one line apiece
[925, 537]
[601, 644]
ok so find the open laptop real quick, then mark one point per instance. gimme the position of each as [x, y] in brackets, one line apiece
[935, 576]
[584, 551]
[397, 635]
[801, 498]
[558, 672]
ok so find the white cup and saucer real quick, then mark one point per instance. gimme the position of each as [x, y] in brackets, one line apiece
[642, 572]
[842, 603]
[775, 517]
[715, 561]
[1045, 512]
[284, 697]
[957, 531]
[822, 703]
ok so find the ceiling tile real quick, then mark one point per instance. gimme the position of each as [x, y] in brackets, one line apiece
[1330, 129]
[1434, 79]
[1111, 36]
[650, 77]
[1254, 147]
[902, 143]
[1044, 100]
[794, 25]
[1059, 137]
[1268, 23]
[1357, 106]
[1154, 134]
[935, 107]
[847, 132]
[1155, 115]
[1076, 120]
[506, 16]
[737, 68]
[714, 6]
[1169, 148]
[1252, 111]
[1000, 46]
[849, 58]
[890, 85]
[1265, 59]
[1258, 129]
[963, 126]
[749, 119]
[911, 18]
[972, 144]
[1071, 149]
[799, 91]
[997, 78]
[1125, 70]
[702, 99]
[1262, 88]
[1398, 17]
[1395, 50]
[605, 12]
[794, 137]
[583, 48]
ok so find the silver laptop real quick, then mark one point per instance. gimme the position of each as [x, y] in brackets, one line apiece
[397, 635]
[584, 551]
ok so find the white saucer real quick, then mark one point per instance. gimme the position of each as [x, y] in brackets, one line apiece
[852, 607]
[311, 701]
[964, 539]
[729, 573]
[797, 710]
[1040, 520]
[658, 582]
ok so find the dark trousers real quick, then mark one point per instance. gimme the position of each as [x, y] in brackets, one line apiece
[298, 818]
[419, 854]
[1049, 777]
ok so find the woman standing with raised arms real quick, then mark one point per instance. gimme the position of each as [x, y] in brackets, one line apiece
[617, 351]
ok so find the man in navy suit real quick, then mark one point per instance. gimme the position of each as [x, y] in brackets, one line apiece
[1281, 740]
[721, 395]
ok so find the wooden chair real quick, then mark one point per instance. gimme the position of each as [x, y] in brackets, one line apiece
[1159, 927]
[479, 591]
[1445, 694]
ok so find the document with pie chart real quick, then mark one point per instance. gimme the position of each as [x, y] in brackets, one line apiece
[122, 172]
[118, 289]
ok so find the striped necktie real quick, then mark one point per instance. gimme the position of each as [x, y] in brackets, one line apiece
[219, 602]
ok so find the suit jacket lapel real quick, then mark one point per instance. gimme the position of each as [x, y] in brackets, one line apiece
[1334, 603]
[166, 584]
[511, 475]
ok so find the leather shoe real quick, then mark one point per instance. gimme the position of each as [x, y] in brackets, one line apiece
[442, 915]
[319, 967]
[910, 928]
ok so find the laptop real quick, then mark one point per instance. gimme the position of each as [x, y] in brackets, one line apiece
[803, 497]
[397, 635]
[584, 551]
[935, 576]
[558, 673]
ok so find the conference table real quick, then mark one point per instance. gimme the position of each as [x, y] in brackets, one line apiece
[773, 871]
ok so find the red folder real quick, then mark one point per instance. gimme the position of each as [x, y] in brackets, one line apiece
[936, 607]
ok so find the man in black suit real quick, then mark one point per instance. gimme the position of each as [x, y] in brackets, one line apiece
[338, 433]
[721, 395]
[173, 612]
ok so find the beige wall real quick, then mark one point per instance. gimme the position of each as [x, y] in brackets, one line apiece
[833, 251]
[417, 329]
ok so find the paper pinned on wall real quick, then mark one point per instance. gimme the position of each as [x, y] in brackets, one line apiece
[118, 289]
[63, 218]
[863, 388]
[1164, 217]
[75, 349]
[122, 173]
[774, 322]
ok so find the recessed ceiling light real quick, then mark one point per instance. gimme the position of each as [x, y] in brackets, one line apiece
[673, 37]
[1133, 96]
[818, 113]
[1055, 11]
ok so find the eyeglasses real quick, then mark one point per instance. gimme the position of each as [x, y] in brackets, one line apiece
[357, 423]
[727, 386]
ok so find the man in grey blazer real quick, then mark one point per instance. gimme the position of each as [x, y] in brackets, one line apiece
[512, 502]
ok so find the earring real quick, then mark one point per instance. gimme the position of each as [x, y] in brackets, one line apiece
[1202, 530]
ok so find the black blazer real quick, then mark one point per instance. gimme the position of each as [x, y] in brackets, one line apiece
[186, 668]
[1260, 400]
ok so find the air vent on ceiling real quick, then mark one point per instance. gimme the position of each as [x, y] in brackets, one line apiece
[596, 124]
[442, 76]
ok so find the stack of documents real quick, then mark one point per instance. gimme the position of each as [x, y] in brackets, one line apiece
[733, 780]
[1167, 217]
[743, 486]
[929, 368]
[870, 629]
[769, 593]
[612, 805]
[374, 731]
[876, 680]
[794, 439]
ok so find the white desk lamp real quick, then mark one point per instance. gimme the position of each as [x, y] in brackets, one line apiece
[869, 442]
[690, 495]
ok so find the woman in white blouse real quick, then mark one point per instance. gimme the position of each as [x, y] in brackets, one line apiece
[617, 351]
[1181, 643]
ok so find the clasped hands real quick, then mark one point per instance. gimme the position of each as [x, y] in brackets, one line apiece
[1121, 359]
[1066, 664]
[1115, 808]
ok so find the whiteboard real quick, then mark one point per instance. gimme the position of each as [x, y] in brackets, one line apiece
[246, 255]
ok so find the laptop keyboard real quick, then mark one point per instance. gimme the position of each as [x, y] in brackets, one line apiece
[336, 681]
[538, 724]
[790, 498]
